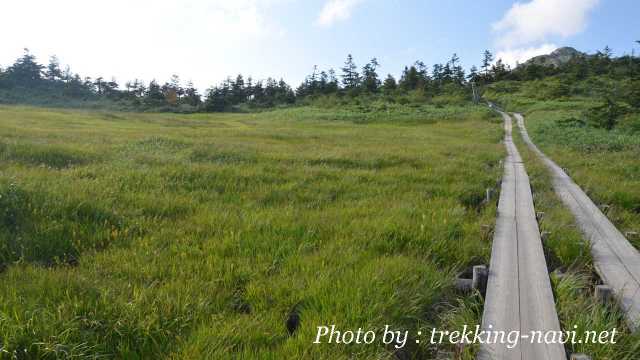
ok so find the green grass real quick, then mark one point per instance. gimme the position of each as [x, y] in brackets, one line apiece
[568, 253]
[603, 163]
[196, 236]
[606, 166]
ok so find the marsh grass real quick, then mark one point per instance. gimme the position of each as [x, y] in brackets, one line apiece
[164, 235]
[606, 165]
[568, 253]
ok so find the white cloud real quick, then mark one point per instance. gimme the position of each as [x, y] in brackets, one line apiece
[337, 10]
[526, 28]
[201, 40]
[535, 21]
[520, 55]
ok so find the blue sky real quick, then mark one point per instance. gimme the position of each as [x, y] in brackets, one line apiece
[207, 40]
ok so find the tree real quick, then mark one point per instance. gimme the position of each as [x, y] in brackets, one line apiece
[499, 70]
[99, 82]
[410, 78]
[447, 73]
[606, 115]
[174, 82]
[270, 91]
[128, 85]
[191, 96]
[258, 92]
[314, 82]
[67, 75]
[350, 76]
[285, 93]
[580, 68]
[25, 71]
[437, 76]
[138, 88]
[311, 84]
[389, 84]
[53, 72]
[534, 71]
[87, 83]
[487, 60]
[370, 79]
[302, 90]
[457, 72]
[422, 69]
[473, 74]
[170, 95]
[423, 74]
[322, 83]
[601, 62]
[76, 88]
[332, 83]
[154, 97]
[248, 89]
[237, 90]
[110, 88]
[172, 90]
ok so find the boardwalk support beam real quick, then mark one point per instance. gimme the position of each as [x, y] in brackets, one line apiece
[580, 357]
[479, 280]
[464, 285]
[603, 294]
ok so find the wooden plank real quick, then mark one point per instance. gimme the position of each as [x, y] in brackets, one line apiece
[519, 295]
[615, 259]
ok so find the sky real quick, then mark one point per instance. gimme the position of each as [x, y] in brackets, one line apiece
[204, 41]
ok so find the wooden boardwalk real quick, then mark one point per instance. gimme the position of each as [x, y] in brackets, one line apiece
[615, 259]
[519, 295]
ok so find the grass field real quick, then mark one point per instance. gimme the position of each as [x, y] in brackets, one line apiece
[194, 236]
[569, 260]
[604, 163]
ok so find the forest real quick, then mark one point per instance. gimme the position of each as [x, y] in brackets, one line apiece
[27, 81]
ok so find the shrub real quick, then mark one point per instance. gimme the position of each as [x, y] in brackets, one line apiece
[605, 116]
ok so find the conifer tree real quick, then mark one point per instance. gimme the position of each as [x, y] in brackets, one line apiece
[53, 72]
[25, 71]
[350, 76]
[487, 60]
[389, 84]
[370, 79]
[332, 84]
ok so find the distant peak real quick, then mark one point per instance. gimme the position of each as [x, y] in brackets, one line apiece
[566, 50]
[557, 57]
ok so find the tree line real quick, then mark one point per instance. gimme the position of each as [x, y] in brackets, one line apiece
[26, 79]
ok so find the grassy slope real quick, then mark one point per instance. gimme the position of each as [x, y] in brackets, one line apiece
[135, 235]
[604, 163]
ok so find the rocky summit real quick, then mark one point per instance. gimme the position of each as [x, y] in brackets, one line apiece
[557, 58]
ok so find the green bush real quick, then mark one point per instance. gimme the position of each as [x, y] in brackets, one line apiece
[547, 89]
[606, 115]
